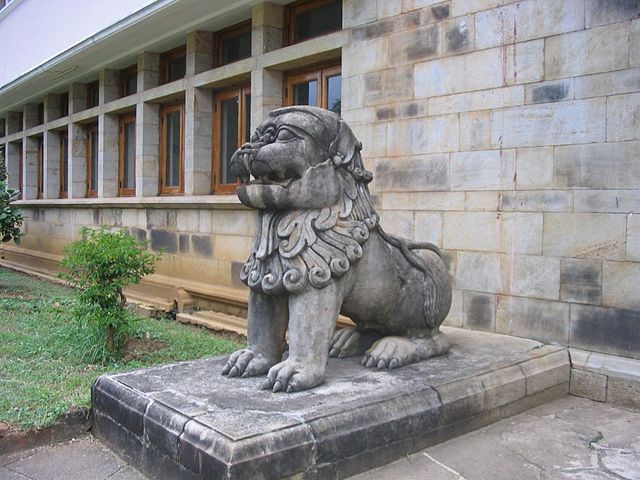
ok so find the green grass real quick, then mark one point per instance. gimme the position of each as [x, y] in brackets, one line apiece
[42, 374]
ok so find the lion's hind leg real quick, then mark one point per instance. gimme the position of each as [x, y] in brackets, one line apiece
[393, 352]
[351, 341]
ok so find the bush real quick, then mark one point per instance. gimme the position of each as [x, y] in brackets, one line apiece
[100, 265]
[10, 217]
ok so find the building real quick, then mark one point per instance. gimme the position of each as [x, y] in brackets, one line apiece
[508, 133]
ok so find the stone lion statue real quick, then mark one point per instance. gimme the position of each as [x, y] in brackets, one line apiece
[319, 251]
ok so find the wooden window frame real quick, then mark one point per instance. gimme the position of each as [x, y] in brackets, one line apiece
[294, 9]
[124, 75]
[216, 169]
[91, 128]
[321, 73]
[93, 90]
[225, 34]
[123, 122]
[64, 165]
[167, 109]
[166, 58]
[40, 172]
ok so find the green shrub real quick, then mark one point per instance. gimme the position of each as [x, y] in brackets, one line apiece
[10, 217]
[100, 265]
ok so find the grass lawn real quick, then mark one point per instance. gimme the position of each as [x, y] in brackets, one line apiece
[41, 374]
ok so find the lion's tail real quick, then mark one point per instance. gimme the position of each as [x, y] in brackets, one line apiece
[406, 247]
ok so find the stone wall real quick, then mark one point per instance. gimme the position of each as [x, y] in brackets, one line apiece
[508, 133]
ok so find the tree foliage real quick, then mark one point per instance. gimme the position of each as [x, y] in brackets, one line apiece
[10, 216]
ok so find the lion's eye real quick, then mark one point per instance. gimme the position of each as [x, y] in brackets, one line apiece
[285, 135]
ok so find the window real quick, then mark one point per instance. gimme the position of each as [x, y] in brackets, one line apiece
[174, 64]
[64, 164]
[232, 123]
[127, 156]
[320, 87]
[20, 120]
[93, 94]
[234, 43]
[172, 150]
[40, 113]
[40, 167]
[92, 160]
[312, 18]
[129, 81]
[20, 164]
[64, 104]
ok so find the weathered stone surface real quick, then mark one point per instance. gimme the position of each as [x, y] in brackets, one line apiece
[538, 319]
[459, 35]
[479, 271]
[202, 245]
[424, 201]
[620, 285]
[634, 44]
[623, 117]
[607, 330]
[633, 238]
[609, 83]
[623, 392]
[581, 281]
[578, 121]
[479, 311]
[428, 227]
[607, 201]
[524, 62]
[588, 384]
[586, 235]
[389, 86]
[417, 173]
[423, 135]
[336, 425]
[534, 168]
[604, 165]
[475, 130]
[536, 201]
[555, 91]
[415, 45]
[482, 170]
[164, 240]
[535, 276]
[482, 100]
[601, 12]
[595, 50]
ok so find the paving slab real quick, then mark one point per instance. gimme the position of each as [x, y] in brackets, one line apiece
[569, 438]
[186, 421]
[78, 459]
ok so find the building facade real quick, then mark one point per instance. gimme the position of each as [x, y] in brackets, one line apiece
[505, 132]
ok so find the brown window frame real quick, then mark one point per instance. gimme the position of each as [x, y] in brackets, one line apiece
[294, 9]
[64, 165]
[166, 58]
[321, 73]
[241, 93]
[91, 129]
[167, 109]
[40, 172]
[225, 34]
[93, 94]
[123, 122]
[124, 75]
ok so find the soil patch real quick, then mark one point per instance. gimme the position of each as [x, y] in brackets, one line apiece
[139, 348]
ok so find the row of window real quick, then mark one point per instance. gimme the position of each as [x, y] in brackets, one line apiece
[231, 119]
[303, 20]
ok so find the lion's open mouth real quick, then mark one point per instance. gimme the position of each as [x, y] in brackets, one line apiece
[283, 180]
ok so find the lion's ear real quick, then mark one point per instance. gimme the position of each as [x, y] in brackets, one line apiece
[344, 146]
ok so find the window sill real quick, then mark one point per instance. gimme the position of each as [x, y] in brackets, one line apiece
[192, 201]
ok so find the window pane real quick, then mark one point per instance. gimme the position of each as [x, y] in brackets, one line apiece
[306, 93]
[64, 153]
[228, 137]
[236, 48]
[334, 93]
[131, 84]
[247, 117]
[129, 174]
[177, 68]
[173, 150]
[318, 21]
[93, 181]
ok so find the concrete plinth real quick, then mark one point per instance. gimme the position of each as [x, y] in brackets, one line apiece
[186, 421]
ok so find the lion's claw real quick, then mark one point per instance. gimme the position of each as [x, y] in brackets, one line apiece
[247, 363]
[390, 352]
[351, 341]
[266, 385]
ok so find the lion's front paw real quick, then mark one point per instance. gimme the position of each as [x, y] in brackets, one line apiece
[351, 341]
[290, 376]
[391, 352]
[247, 363]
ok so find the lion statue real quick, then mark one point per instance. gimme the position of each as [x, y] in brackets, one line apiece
[319, 251]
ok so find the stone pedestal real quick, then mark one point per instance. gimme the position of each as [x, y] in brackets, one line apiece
[187, 421]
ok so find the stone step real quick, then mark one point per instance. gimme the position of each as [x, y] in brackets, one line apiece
[215, 321]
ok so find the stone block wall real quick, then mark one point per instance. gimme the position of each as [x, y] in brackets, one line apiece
[508, 134]
[200, 244]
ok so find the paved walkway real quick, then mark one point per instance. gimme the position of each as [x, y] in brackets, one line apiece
[571, 438]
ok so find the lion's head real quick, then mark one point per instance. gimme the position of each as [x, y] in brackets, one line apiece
[310, 185]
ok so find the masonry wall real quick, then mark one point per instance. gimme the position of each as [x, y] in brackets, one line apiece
[508, 134]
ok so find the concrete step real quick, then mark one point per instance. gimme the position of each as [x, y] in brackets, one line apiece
[215, 321]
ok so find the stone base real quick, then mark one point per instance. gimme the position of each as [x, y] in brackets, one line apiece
[186, 421]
